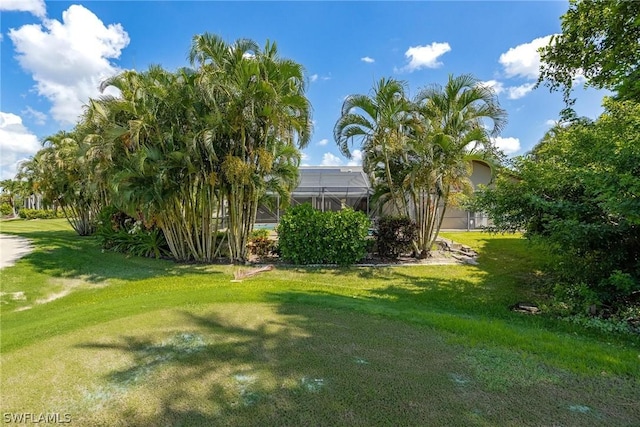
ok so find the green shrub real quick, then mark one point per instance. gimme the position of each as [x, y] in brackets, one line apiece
[119, 232]
[259, 243]
[610, 298]
[395, 236]
[617, 286]
[308, 236]
[5, 209]
[261, 246]
[40, 213]
[259, 233]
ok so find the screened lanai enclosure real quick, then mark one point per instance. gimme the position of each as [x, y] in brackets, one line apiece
[326, 188]
[331, 188]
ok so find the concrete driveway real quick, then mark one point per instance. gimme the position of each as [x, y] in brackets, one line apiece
[13, 248]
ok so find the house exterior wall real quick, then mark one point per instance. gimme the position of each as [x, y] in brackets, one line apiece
[481, 174]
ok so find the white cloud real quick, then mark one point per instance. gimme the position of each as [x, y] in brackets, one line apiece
[551, 122]
[579, 78]
[36, 7]
[17, 143]
[39, 117]
[315, 77]
[425, 56]
[356, 158]
[367, 59]
[524, 60]
[508, 145]
[497, 86]
[69, 59]
[304, 158]
[329, 159]
[517, 92]
[323, 142]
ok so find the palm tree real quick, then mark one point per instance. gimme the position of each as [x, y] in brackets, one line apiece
[59, 173]
[417, 153]
[258, 102]
[381, 124]
[12, 192]
[458, 123]
[163, 139]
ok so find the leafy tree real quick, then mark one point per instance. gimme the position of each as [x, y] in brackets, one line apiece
[12, 192]
[418, 152]
[59, 173]
[263, 118]
[159, 134]
[458, 122]
[380, 122]
[579, 192]
[601, 40]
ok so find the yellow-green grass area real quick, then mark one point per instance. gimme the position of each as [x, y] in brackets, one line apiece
[104, 339]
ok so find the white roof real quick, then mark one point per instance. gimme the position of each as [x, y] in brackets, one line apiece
[344, 181]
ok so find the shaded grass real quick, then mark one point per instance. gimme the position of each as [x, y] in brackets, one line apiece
[160, 343]
[269, 364]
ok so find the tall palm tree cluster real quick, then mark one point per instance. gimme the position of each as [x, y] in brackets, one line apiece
[418, 151]
[197, 150]
[184, 150]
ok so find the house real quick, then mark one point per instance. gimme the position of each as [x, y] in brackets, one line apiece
[330, 188]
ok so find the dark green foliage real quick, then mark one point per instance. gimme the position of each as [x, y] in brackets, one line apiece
[308, 236]
[395, 236]
[119, 232]
[260, 244]
[39, 214]
[601, 40]
[579, 193]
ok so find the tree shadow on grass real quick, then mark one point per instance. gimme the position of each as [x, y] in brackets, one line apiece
[64, 254]
[508, 271]
[282, 364]
[311, 362]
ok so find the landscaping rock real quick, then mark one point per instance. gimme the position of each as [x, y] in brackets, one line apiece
[525, 307]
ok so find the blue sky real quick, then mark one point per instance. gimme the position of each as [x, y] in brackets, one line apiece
[55, 53]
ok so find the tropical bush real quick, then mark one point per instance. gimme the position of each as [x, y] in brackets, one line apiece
[395, 236]
[260, 244]
[39, 214]
[119, 232]
[578, 192]
[189, 148]
[308, 236]
[6, 209]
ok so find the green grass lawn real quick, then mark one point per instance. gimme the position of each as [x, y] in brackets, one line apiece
[112, 340]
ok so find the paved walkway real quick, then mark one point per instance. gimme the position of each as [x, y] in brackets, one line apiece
[13, 248]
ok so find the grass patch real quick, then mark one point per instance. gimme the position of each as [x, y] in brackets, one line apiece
[157, 343]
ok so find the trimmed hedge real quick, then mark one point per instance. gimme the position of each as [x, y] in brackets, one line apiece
[40, 214]
[308, 236]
